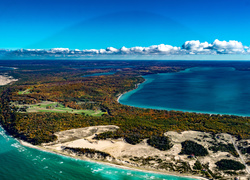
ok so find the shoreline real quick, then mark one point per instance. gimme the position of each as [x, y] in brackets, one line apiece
[5, 79]
[177, 110]
[40, 148]
[136, 87]
[9, 79]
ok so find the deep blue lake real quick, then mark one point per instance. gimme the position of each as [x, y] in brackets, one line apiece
[216, 90]
[2, 68]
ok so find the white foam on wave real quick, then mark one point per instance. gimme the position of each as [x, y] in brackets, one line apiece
[97, 170]
[2, 133]
[148, 177]
[18, 146]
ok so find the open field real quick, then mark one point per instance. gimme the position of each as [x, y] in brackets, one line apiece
[48, 106]
[27, 91]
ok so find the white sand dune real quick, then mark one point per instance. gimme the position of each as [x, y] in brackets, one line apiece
[5, 79]
[123, 152]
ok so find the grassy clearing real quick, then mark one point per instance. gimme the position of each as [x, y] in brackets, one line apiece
[27, 91]
[48, 106]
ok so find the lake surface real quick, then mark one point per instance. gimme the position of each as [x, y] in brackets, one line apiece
[2, 68]
[222, 90]
[19, 162]
[101, 67]
[100, 74]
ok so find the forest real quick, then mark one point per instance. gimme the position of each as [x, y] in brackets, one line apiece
[62, 82]
[191, 147]
[228, 164]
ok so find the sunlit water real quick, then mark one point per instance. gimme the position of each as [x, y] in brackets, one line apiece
[19, 162]
[201, 89]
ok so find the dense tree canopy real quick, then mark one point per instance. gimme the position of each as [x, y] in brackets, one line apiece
[191, 147]
[228, 164]
[63, 82]
[160, 142]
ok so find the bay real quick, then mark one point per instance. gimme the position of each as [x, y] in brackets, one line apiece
[213, 90]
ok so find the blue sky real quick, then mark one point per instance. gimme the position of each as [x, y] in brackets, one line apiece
[80, 24]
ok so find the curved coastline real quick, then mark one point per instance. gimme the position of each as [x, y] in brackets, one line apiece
[40, 148]
[132, 168]
[137, 87]
[66, 155]
[148, 80]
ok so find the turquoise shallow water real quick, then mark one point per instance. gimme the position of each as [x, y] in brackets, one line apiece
[221, 90]
[18, 162]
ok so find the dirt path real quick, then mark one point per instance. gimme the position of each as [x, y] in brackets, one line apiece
[241, 157]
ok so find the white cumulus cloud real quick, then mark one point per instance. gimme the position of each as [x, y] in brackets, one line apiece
[228, 47]
[196, 45]
[193, 47]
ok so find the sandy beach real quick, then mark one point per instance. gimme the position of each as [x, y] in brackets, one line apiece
[122, 152]
[41, 148]
[136, 86]
[115, 148]
[125, 155]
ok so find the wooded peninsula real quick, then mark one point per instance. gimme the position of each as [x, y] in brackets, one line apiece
[54, 96]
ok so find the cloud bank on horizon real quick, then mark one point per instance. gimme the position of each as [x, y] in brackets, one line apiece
[193, 47]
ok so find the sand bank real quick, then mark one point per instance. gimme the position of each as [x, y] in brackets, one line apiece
[5, 79]
[119, 149]
[123, 153]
